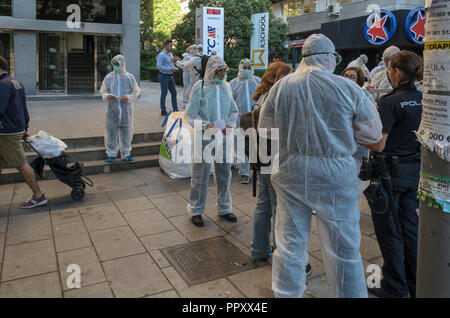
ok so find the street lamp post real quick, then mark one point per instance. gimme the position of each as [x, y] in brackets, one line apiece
[286, 46]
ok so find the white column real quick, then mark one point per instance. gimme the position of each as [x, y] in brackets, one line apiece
[131, 17]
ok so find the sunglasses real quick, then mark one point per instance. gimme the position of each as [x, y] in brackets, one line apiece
[336, 55]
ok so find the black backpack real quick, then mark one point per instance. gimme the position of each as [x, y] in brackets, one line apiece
[204, 62]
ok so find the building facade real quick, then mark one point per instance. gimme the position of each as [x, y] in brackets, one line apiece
[50, 53]
[343, 22]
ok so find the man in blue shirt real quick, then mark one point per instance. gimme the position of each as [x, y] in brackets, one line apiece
[166, 70]
[14, 121]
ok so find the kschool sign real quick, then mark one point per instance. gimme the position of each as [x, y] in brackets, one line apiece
[259, 41]
[209, 29]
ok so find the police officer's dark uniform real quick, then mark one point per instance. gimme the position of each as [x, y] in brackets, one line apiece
[400, 113]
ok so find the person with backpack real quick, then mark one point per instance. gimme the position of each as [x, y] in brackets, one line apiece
[243, 87]
[194, 67]
[212, 106]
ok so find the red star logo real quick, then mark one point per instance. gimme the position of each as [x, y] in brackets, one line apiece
[377, 30]
[418, 28]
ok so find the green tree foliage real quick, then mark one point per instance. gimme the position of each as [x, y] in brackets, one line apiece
[158, 19]
[238, 27]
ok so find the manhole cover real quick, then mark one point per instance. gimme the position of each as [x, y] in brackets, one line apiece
[207, 260]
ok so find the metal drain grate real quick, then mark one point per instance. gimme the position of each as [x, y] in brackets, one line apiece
[207, 260]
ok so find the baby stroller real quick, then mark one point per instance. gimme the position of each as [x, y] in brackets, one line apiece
[50, 151]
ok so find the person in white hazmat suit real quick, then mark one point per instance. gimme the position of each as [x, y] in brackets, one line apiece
[211, 107]
[320, 118]
[361, 62]
[193, 67]
[186, 75]
[121, 90]
[243, 87]
[381, 81]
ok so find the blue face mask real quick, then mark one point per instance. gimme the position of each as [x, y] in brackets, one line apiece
[246, 73]
[218, 81]
[116, 68]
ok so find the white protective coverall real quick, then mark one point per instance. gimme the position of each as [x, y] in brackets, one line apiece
[210, 102]
[361, 62]
[381, 67]
[119, 122]
[193, 66]
[320, 118]
[243, 89]
[380, 80]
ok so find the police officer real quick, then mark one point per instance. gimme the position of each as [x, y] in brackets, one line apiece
[397, 230]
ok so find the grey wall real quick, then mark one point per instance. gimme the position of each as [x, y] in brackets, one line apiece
[24, 43]
[131, 43]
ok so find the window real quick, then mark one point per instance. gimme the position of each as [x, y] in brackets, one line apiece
[298, 7]
[96, 11]
[5, 7]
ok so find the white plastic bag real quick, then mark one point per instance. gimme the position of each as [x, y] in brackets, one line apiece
[175, 151]
[46, 145]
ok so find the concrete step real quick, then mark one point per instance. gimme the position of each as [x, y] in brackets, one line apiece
[89, 168]
[86, 154]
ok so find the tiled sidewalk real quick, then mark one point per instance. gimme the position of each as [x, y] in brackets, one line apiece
[116, 235]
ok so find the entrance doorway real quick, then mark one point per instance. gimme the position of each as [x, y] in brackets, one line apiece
[80, 64]
[72, 63]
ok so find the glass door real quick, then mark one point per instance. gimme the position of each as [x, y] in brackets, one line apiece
[6, 50]
[107, 48]
[52, 52]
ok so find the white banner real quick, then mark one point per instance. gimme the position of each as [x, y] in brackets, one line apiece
[210, 30]
[259, 42]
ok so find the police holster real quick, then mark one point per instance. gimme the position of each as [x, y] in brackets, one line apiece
[380, 194]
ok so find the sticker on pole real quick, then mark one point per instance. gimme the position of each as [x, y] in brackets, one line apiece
[434, 190]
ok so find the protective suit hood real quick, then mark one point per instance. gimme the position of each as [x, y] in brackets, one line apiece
[318, 53]
[121, 60]
[390, 51]
[214, 63]
[242, 64]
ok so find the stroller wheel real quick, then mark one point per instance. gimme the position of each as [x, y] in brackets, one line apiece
[77, 193]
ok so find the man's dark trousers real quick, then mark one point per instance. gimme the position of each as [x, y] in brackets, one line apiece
[167, 83]
[400, 252]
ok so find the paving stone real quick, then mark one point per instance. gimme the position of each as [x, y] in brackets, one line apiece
[116, 181]
[242, 189]
[244, 233]
[91, 271]
[41, 286]
[194, 233]
[133, 205]
[115, 243]
[171, 205]
[152, 175]
[163, 240]
[65, 216]
[320, 288]
[29, 229]
[102, 217]
[248, 208]
[63, 202]
[364, 206]
[4, 211]
[185, 194]
[28, 259]
[318, 269]
[228, 226]
[221, 288]
[158, 189]
[135, 276]
[244, 249]
[369, 248]
[256, 283]
[314, 243]
[175, 279]
[17, 212]
[70, 236]
[2, 244]
[314, 228]
[101, 290]
[366, 224]
[125, 194]
[94, 199]
[168, 294]
[159, 258]
[3, 224]
[148, 222]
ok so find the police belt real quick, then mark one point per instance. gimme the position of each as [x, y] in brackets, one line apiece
[165, 74]
[399, 166]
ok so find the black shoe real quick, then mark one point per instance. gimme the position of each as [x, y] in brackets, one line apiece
[163, 113]
[308, 269]
[383, 293]
[262, 260]
[197, 220]
[229, 217]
